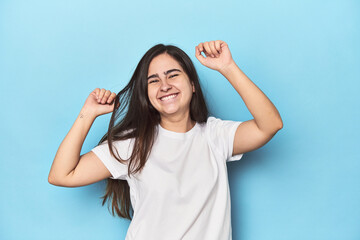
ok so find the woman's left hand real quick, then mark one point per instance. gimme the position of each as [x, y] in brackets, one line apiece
[218, 56]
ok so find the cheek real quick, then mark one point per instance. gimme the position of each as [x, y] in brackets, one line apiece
[151, 95]
[189, 90]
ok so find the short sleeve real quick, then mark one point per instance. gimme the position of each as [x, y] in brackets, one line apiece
[117, 169]
[222, 134]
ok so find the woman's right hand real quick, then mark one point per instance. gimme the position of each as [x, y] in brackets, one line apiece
[100, 101]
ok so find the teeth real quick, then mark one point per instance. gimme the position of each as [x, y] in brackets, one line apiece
[168, 97]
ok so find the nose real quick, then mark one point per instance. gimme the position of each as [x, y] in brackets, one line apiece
[165, 86]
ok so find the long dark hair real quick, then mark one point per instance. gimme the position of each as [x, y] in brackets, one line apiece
[140, 121]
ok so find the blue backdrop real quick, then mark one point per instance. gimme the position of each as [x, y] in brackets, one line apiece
[304, 55]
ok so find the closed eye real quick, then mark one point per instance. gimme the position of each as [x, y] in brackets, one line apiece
[153, 81]
[173, 75]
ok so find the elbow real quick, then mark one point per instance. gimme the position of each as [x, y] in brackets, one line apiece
[52, 180]
[277, 127]
[278, 123]
[273, 128]
[59, 180]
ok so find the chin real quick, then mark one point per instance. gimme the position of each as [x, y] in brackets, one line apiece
[168, 112]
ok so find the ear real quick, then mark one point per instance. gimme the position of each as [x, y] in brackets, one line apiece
[192, 83]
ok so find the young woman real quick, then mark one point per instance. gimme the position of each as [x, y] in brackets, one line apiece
[166, 157]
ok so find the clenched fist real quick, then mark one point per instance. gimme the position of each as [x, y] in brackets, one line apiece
[218, 56]
[100, 101]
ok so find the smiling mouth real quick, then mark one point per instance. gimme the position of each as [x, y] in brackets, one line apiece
[169, 97]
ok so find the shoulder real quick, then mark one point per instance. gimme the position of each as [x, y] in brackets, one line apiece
[122, 148]
[214, 123]
[211, 127]
[220, 133]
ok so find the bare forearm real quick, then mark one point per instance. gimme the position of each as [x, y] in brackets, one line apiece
[68, 154]
[264, 112]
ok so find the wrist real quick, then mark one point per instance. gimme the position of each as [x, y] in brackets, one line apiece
[228, 68]
[87, 113]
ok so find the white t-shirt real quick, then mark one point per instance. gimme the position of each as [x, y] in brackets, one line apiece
[183, 192]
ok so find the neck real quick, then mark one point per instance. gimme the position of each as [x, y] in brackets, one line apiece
[179, 124]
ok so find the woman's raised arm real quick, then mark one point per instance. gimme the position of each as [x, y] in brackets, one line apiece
[69, 169]
[253, 133]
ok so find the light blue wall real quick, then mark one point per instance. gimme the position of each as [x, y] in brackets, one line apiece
[304, 55]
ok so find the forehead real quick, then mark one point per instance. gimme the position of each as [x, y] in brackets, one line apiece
[162, 63]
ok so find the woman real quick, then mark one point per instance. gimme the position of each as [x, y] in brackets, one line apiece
[166, 157]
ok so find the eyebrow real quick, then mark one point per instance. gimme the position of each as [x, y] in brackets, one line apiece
[166, 73]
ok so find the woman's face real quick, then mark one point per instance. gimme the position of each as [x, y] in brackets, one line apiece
[169, 87]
